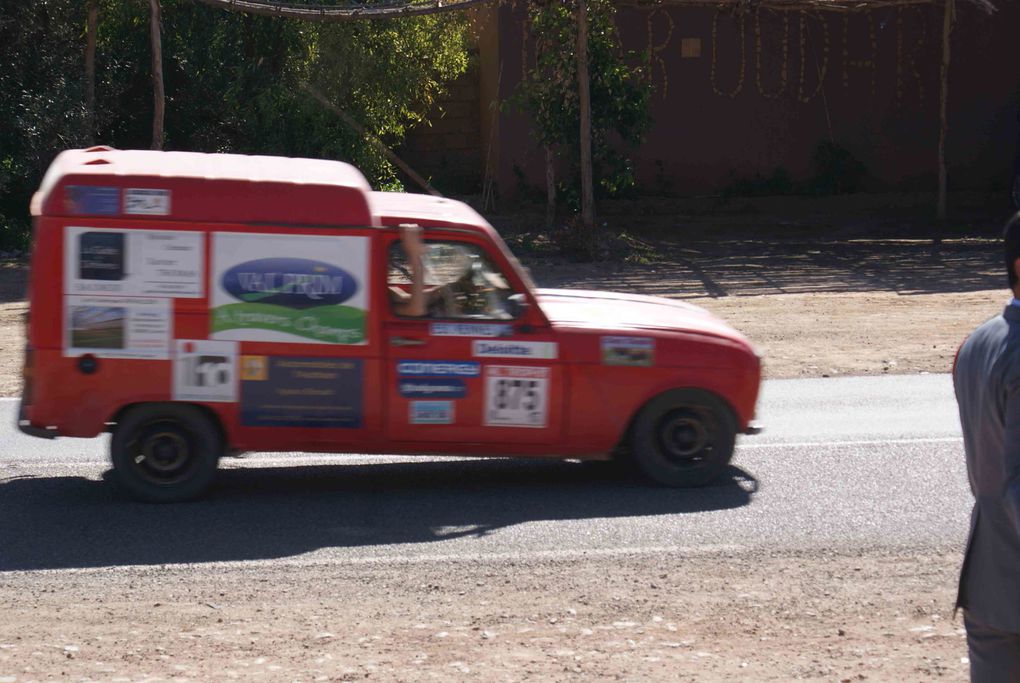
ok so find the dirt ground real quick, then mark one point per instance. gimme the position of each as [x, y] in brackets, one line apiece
[649, 618]
[815, 309]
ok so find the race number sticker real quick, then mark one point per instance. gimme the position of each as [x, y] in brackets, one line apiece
[205, 371]
[516, 396]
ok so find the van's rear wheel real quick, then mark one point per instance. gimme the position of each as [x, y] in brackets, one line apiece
[683, 438]
[165, 452]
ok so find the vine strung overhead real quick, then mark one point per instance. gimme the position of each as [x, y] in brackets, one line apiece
[342, 12]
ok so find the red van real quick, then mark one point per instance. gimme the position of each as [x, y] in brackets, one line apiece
[196, 305]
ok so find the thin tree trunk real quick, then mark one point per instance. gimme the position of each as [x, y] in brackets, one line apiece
[583, 88]
[91, 27]
[947, 30]
[550, 189]
[158, 95]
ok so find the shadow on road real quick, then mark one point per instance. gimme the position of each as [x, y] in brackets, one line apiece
[266, 513]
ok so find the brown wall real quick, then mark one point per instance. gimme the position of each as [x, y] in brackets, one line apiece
[879, 94]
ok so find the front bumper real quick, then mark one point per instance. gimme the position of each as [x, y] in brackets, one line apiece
[753, 428]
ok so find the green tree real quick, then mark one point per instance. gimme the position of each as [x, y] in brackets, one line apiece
[620, 92]
[233, 84]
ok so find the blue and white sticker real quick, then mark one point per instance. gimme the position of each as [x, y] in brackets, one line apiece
[92, 200]
[430, 412]
[513, 349]
[146, 202]
[470, 330]
[432, 388]
[438, 368]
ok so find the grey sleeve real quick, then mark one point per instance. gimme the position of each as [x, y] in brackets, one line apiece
[1011, 453]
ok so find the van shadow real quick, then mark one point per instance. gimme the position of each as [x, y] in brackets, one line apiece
[270, 512]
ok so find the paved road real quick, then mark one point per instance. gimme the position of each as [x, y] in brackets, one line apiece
[849, 463]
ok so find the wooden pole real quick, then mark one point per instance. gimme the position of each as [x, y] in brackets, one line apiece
[158, 95]
[91, 27]
[947, 28]
[584, 91]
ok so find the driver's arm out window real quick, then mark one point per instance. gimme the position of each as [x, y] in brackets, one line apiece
[460, 282]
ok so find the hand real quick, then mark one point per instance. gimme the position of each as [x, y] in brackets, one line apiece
[411, 237]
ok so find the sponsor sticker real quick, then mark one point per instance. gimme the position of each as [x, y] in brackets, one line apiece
[470, 330]
[513, 349]
[301, 392]
[146, 202]
[94, 200]
[289, 288]
[438, 368]
[432, 388]
[516, 396]
[636, 351]
[205, 371]
[103, 261]
[430, 412]
[117, 327]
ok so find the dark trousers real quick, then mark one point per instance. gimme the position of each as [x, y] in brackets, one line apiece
[994, 655]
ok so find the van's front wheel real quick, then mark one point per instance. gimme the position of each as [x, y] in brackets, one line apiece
[684, 437]
[166, 452]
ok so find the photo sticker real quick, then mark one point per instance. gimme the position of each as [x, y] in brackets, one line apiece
[117, 327]
[516, 396]
[101, 256]
[633, 351]
[205, 371]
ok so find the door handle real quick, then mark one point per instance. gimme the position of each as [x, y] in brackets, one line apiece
[406, 341]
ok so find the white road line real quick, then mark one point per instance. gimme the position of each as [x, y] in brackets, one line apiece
[479, 558]
[866, 442]
[360, 460]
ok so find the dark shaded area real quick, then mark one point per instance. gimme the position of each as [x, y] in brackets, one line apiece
[750, 267]
[265, 513]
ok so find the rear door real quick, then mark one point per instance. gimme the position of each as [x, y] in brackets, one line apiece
[469, 372]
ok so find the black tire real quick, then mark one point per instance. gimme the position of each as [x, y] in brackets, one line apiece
[165, 452]
[684, 438]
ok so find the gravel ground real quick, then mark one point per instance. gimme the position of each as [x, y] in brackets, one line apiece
[865, 615]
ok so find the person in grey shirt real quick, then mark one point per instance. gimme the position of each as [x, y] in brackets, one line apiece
[986, 376]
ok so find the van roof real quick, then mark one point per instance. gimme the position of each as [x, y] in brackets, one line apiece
[232, 188]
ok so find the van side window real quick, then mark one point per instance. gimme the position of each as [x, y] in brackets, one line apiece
[460, 281]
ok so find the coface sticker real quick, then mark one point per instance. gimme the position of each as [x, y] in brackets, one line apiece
[438, 368]
[516, 396]
[470, 330]
[634, 351]
[205, 371]
[301, 392]
[432, 388]
[104, 261]
[430, 412]
[293, 288]
[117, 327]
[513, 349]
[146, 202]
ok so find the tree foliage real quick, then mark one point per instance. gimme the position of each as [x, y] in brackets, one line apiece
[620, 92]
[233, 84]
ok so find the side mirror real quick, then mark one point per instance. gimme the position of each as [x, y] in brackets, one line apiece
[517, 305]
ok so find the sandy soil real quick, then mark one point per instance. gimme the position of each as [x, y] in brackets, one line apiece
[647, 618]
